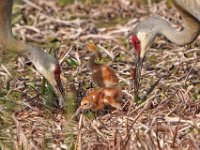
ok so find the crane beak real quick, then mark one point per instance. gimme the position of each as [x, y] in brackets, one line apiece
[138, 68]
[62, 96]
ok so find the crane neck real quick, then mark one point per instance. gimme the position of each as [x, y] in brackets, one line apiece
[5, 21]
[10, 44]
[188, 34]
[7, 41]
[184, 37]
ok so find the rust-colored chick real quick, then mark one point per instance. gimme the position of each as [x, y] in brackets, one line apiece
[97, 99]
[102, 75]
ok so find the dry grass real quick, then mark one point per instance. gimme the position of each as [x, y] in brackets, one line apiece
[168, 119]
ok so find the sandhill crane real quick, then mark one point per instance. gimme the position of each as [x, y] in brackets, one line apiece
[46, 64]
[146, 31]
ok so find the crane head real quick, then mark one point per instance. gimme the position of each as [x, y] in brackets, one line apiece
[57, 73]
[136, 43]
[52, 74]
[50, 68]
[143, 37]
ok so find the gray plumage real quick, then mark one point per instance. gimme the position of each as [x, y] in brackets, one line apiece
[146, 31]
[43, 62]
[153, 26]
[191, 6]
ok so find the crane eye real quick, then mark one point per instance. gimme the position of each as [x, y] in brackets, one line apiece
[137, 42]
[57, 69]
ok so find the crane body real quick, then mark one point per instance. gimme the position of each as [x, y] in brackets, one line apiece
[146, 31]
[46, 64]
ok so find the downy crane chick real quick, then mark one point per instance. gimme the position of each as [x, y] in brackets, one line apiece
[97, 99]
[102, 75]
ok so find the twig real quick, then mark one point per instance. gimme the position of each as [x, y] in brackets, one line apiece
[107, 52]
[66, 54]
[73, 23]
[152, 87]
[174, 120]
[175, 134]
[127, 138]
[97, 36]
[157, 139]
[95, 128]
[32, 4]
[21, 138]
[6, 70]
[78, 144]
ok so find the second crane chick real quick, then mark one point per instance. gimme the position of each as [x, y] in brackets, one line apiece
[102, 75]
[97, 99]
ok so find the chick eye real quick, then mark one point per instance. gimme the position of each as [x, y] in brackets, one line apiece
[85, 104]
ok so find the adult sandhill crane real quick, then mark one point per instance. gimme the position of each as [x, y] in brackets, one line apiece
[46, 64]
[146, 31]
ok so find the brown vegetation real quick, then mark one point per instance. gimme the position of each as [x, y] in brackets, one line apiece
[168, 119]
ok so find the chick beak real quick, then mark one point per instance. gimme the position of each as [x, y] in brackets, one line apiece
[79, 110]
[138, 68]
